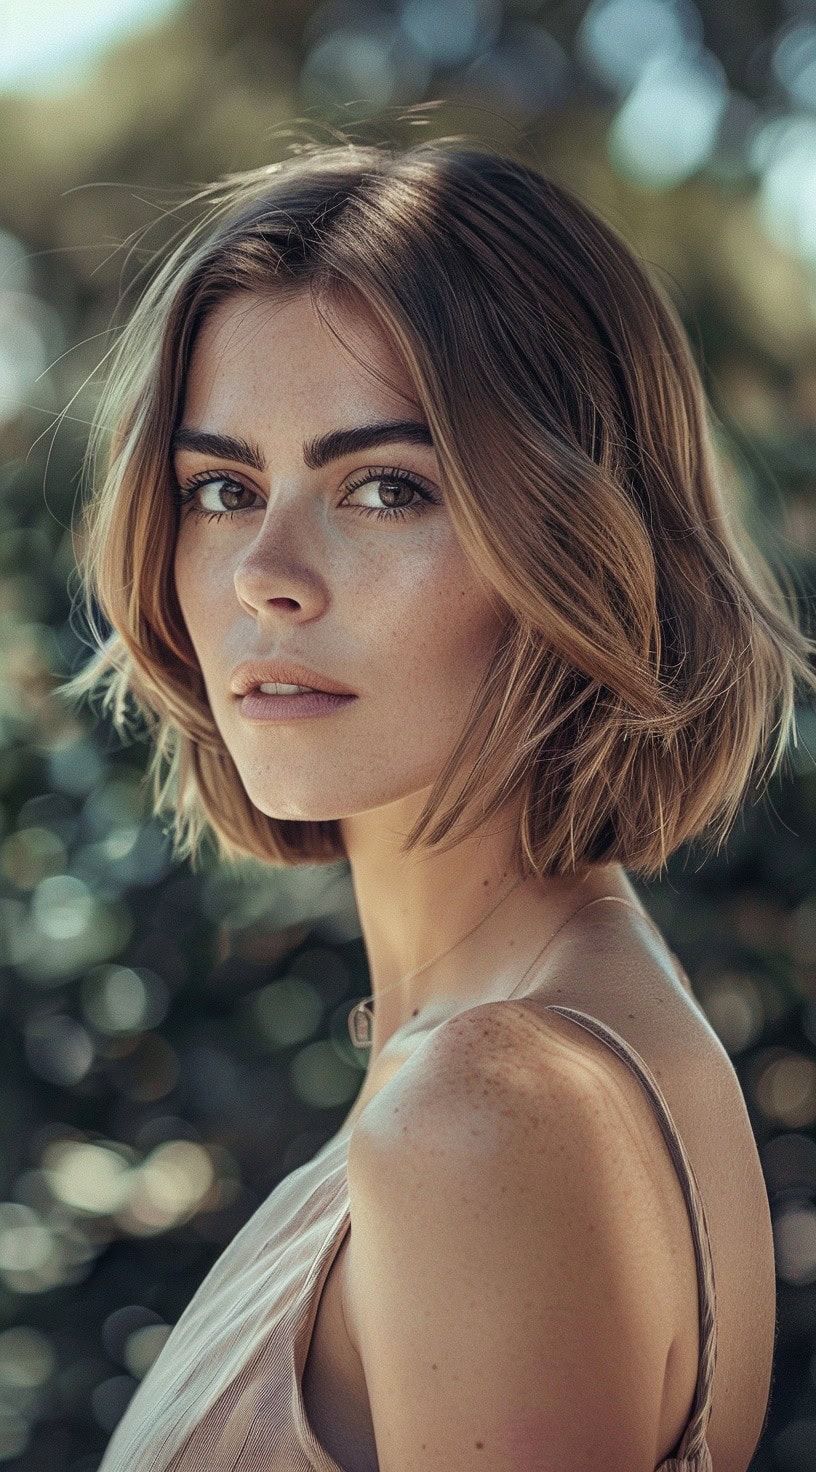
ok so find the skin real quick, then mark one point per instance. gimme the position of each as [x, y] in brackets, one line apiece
[388, 607]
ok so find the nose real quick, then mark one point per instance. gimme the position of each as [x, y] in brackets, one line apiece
[278, 569]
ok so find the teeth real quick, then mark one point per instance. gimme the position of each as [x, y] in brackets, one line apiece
[279, 689]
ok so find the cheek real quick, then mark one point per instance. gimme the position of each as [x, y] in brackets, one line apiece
[186, 583]
[201, 582]
[445, 640]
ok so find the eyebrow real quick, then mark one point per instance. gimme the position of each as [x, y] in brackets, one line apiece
[318, 452]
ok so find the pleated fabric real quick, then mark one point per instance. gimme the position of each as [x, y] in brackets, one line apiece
[224, 1393]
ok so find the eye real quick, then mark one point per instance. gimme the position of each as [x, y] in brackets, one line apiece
[391, 484]
[225, 493]
[218, 487]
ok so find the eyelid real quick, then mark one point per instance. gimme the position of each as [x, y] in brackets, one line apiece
[211, 473]
[365, 471]
[371, 472]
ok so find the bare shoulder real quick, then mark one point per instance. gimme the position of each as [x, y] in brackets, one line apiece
[494, 1205]
[513, 1119]
[487, 1074]
[531, 1104]
[458, 1068]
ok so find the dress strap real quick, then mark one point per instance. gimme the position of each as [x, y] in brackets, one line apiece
[692, 1444]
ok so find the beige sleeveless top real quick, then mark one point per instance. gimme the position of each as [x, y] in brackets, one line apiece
[224, 1394]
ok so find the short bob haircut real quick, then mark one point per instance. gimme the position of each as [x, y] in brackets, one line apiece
[649, 653]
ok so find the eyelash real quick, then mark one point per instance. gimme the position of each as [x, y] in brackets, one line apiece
[184, 494]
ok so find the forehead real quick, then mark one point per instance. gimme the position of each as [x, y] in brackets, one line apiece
[283, 349]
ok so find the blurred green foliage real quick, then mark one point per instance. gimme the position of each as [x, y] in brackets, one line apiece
[174, 1042]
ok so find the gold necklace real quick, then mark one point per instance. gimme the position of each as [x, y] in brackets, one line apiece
[361, 1018]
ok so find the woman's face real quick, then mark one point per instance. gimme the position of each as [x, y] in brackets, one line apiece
[288, 558]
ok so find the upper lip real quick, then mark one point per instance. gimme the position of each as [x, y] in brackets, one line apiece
[255, 672]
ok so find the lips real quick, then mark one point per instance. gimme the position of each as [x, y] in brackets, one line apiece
[253, 673]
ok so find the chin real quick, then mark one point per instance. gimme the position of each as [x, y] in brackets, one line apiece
[292, 813]
[309, 803]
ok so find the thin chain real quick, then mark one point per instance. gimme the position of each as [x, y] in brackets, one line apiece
[596, 901]
[361, 1017]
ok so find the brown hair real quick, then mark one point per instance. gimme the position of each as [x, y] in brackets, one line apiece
[649, 653]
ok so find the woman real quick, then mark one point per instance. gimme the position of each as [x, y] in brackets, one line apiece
[413, 553]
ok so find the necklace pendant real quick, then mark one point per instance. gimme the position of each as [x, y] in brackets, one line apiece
[359, 1022]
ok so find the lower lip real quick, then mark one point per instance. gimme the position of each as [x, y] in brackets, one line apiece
[257, 706]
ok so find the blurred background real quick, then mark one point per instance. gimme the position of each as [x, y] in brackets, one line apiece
[174, 1041]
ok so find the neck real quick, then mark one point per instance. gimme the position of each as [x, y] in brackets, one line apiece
[412, 908]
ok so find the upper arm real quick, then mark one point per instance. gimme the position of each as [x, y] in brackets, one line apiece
[507, 1265]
